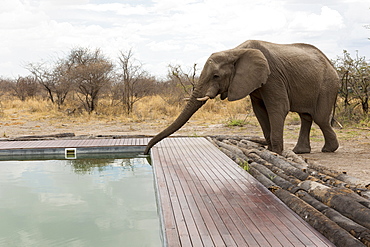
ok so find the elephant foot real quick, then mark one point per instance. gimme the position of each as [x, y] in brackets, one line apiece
[302, 150]
[330, 148]
[278, 150]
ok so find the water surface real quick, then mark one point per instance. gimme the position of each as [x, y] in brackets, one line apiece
[90, 202]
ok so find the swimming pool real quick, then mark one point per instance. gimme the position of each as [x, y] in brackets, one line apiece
[82, 202]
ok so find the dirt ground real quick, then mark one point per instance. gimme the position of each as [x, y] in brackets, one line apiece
[352, 157]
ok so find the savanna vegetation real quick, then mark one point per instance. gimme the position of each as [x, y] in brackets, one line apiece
[85, 84]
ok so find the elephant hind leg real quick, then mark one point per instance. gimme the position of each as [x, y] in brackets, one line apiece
[331, 141]
[303, 144]
[322, 118]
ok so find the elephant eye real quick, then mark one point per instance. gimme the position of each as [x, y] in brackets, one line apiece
[216, 77]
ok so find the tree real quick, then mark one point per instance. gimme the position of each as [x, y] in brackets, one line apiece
[133, 82]
[355, 80]
[90, 71]
[179, 85]
[54, 80]
[185, 80]
[25, 87]
[6, 86]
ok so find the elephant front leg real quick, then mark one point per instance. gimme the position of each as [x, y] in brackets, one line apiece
[272, 123]
[277, 138]
[260, 111]
[277, 118]
[303, 144]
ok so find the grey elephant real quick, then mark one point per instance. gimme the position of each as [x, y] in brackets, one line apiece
[279, 78]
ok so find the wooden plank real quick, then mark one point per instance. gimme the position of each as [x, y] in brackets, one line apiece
[170, 229]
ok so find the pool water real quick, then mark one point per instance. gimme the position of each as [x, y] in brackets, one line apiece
[88, 202]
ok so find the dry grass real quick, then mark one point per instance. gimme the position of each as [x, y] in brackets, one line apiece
[147, 109]
[32, 109]
[153, 110]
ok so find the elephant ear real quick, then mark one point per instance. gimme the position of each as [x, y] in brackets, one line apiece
[251, 72]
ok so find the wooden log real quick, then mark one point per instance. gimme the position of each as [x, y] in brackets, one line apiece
[231, 142]
[276, 170]
[232, 152]
[316, 166]
[335, 174]
[229, 154]
[258, 140]
[329, 180]
[296, 159]
[232, 148]
[358, 231]
[40, 137]
[274, 177]
[239, 138]
[234, 157]
[282, 164]
[343, 191]
[320, 222]
[279, 173]
[343, 200]
[220, 138]
[334, 182]
[365, 194]
[324, 178]
[250, 144]
[352, 180]
[262, 178]
[211, 140]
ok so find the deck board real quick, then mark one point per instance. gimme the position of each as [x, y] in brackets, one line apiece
[206, 199]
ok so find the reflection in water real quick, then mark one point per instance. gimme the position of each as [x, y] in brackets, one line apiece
[78, 203]
[88, 165]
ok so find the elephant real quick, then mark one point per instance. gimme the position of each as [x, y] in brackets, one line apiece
[278, 78]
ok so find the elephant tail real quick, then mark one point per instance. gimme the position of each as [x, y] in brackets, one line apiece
[333, 120]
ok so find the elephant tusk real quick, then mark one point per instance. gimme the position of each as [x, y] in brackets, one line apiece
[204, 98]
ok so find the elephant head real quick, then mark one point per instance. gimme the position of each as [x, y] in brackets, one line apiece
[233, 74]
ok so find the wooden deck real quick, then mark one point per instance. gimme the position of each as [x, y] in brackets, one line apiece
[66, 143]
[27, 149]
[208, 200]
[205, 198]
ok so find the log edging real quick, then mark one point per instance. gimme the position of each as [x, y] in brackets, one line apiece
[335, 204]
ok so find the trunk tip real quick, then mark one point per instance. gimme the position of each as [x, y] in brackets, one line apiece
[147, 149]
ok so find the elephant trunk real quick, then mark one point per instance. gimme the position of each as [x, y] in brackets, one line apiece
[192, 106]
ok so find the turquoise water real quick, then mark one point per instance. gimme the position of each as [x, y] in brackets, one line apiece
[91, 202]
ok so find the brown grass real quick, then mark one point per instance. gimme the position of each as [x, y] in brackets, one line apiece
[149, 109]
